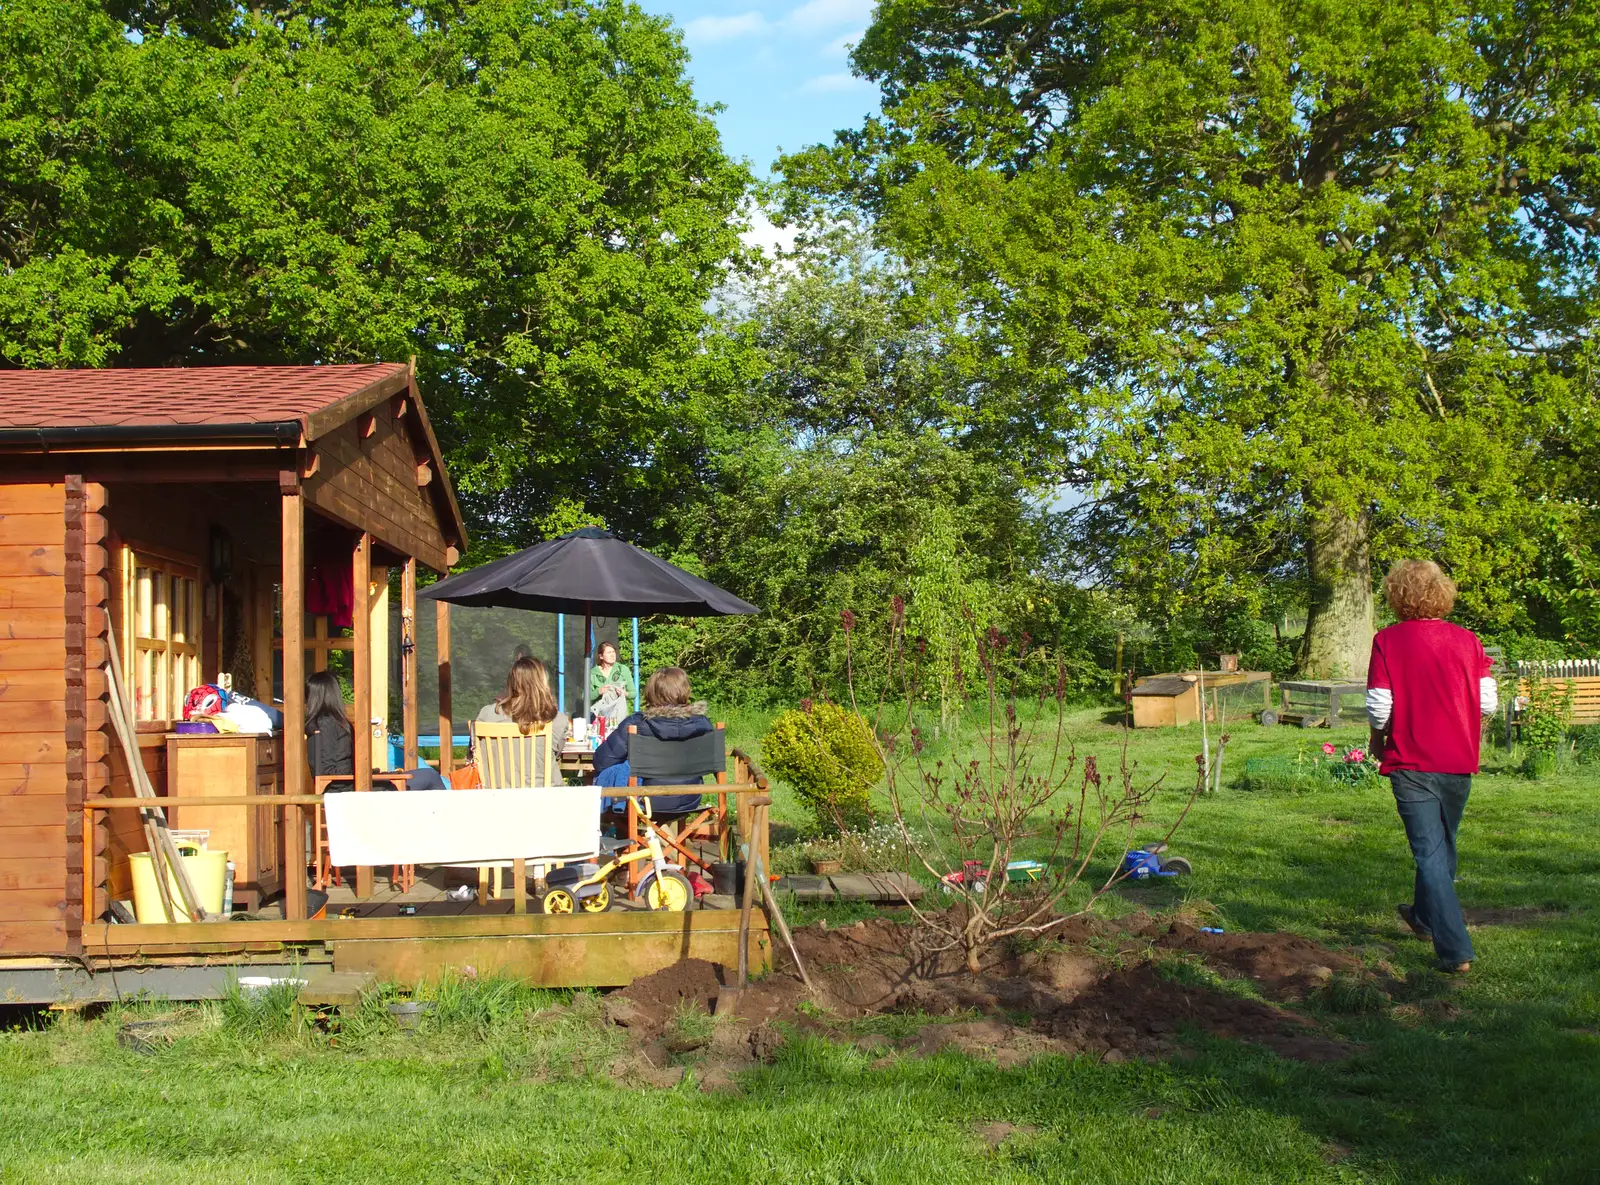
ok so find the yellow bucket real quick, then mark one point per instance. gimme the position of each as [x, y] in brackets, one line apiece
[208, 873]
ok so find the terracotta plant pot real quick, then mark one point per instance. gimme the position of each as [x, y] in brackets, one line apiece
[826, 867]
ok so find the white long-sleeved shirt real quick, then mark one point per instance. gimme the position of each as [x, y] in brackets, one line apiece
[1380, 702]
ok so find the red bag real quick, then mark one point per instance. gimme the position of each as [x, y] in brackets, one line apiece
[466, 778]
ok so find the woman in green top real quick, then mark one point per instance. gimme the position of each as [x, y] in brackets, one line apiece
[610, 676]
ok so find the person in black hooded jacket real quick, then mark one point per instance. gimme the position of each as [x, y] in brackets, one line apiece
[670, 713]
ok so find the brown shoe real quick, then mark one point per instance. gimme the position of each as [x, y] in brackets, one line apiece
[1455, 968]
[1410, 920]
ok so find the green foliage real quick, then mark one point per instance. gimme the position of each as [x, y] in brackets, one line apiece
[524, 194]
[1545, 717]
[1285, 291]
[828, 755]
[1585, 740]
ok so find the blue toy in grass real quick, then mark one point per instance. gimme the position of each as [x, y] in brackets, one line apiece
[1141, 864]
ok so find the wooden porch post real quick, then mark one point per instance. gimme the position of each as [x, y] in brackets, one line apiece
[446, 727]
[361, 675]
[296, 774]
[408, 661]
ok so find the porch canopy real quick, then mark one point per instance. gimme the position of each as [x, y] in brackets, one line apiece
[588, 571]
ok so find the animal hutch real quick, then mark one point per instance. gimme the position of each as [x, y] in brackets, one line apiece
[1165, 701]
[191, 518]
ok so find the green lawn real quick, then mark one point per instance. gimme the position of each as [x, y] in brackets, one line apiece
[1493, 1079]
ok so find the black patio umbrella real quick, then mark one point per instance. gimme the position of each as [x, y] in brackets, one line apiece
[589, 571]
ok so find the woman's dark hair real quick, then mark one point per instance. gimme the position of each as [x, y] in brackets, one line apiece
[325, 703]
[616, 655]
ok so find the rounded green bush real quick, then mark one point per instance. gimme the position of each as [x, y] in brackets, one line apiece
[829, 756]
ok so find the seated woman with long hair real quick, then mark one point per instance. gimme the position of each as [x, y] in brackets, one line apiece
[528, 701]
[331, 746]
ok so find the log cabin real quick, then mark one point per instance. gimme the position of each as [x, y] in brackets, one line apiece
[177, 514]
[214, 525]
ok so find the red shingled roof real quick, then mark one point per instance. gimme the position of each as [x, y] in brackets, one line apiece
[193, 395]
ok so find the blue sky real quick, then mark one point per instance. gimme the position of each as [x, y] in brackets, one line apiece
[780, 69]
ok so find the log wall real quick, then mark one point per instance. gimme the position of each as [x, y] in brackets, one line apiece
[35, 777]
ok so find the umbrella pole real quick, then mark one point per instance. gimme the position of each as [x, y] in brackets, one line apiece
[561, 661]
[588, 653]
[634, 707]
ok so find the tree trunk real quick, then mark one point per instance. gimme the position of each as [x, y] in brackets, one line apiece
[1338, 638]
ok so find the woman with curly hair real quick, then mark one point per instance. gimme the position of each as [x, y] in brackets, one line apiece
[1428, 688]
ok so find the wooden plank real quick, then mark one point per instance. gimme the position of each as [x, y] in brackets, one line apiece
[361, 677]
[33, 810]
[38, 686]
[19, 843]
[34, 592]
[32, 716]
[32, 561]
[28, 748]
[34, 654]
[447, 758]
[216, 936]
[34, 905]
[21, 873]
[28, 530]
[32, 937]
[408, 661]
[601, 960]
[40, 778]
[32, 498]
[297, 779]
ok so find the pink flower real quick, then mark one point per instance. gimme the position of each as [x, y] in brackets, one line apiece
[1356, 755]
[1329, 748]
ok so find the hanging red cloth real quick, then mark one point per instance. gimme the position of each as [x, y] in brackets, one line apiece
[330, 581]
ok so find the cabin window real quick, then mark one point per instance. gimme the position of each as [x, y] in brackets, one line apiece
[161, 625]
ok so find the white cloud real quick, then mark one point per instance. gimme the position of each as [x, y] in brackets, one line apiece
[840, 47]
[708, 30]
[833, 83]
[769, 238]
[817, 15]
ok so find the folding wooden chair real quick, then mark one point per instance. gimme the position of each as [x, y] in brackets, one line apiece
[681, 762]
[509, 759]
[402, 876]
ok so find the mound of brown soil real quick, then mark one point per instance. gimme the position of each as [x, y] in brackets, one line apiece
[1095, 991]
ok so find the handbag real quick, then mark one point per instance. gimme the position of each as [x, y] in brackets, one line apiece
[466, 777]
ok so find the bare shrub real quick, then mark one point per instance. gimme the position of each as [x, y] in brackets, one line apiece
[1027, 786]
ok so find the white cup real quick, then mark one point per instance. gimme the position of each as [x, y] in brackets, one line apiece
[580, 729]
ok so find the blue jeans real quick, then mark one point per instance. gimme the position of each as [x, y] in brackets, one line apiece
[1431, 806]
[612, 777]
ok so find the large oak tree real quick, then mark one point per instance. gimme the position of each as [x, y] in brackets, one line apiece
[524, 194]
[1291, 287]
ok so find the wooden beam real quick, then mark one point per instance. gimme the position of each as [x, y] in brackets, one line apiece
[296, 773]
[311, 463]
[361, 675]
[424, 473]
[446, 722]
[367, 425]
[320, 423]
[76, 706]
[378, 648]
[408, 660]
[262, 606]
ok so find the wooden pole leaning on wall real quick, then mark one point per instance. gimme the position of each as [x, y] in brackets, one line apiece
[361, 676]
[296, 773]
[408, 662]
[446, 726]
